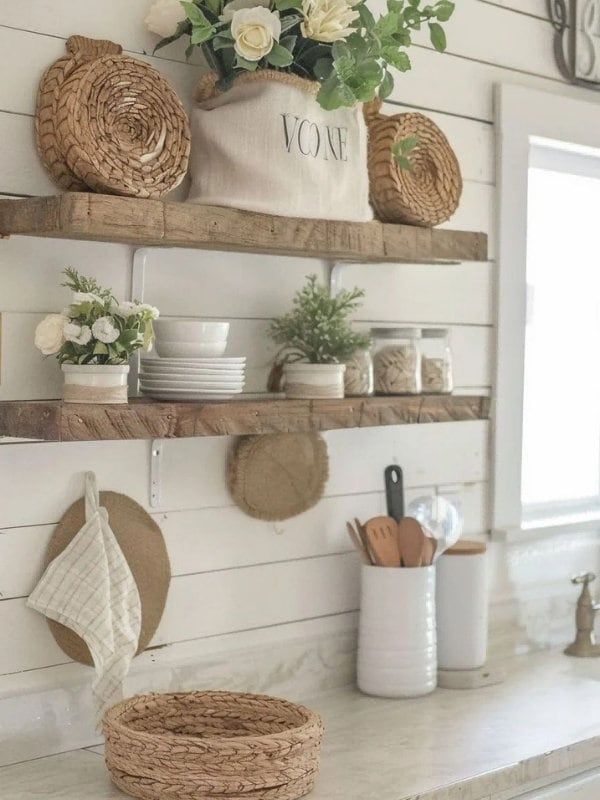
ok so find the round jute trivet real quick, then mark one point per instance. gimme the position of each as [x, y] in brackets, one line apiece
[79, 51]
[202, 745]
[277, 476]
[144, 549]
[428, 193]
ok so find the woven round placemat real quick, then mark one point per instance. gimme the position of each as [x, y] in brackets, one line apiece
[79, 50]
[202, 745]
[425, 195]
[277, 476]
[144, 549]
[122, 128]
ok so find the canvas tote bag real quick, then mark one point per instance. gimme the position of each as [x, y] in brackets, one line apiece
[266, 145]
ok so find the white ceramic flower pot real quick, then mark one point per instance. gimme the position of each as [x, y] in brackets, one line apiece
[314, 381]
[397, 649]
[87, 383]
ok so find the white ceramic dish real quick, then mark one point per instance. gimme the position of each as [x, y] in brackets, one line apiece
[191, 330]
[167, 349]
[200, 372]
[191, 385]
[174, 395]
[228, 361]
[187, 377]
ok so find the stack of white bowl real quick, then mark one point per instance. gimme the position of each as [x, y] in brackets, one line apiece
[191, 364]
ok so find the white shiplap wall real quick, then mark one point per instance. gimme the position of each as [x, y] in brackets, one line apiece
[233, 574]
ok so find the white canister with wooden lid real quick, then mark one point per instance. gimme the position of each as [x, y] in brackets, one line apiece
[462, 606]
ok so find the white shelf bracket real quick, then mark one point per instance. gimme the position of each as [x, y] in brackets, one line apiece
[335, 277]
[138, 279]
[156, 452]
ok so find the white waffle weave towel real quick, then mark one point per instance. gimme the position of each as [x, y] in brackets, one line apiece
[90, 588]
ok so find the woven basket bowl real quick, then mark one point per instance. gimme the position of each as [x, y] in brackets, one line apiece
[426, 195]
[122, 129]
[202, 745]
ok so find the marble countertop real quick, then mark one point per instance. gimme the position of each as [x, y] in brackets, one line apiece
[452, 745]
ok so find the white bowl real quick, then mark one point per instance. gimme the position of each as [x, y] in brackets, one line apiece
[191, 330]
[170, 349]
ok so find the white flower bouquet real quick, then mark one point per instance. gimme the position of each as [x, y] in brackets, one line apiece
[95, 329]
[338, 43]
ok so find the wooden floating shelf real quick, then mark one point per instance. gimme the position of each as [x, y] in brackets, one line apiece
[56, 421]
[105, 218]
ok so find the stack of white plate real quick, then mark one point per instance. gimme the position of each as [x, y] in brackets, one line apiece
[192, 379]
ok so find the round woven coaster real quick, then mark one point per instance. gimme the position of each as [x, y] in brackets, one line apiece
[79, 51]
[278, 476]
[122, 128]
[144, 548]
[428, 193]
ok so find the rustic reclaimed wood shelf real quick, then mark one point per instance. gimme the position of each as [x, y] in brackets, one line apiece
[55, 421]
[96, 217]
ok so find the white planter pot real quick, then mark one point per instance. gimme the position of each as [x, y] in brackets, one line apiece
[314, 381]
[397, 650]
[95, 384]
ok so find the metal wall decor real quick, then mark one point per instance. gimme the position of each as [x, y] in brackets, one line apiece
[577, 39]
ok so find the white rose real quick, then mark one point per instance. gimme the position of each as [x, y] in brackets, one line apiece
[152, 311]
[49, 334]
[85, 297]
[104, 330]
[236, 5]
[79, 334]
[327, 20]
[254, 31]
[125, 309]
[164, 17]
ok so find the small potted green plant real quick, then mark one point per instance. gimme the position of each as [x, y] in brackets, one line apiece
[316, 338]
[94, 339]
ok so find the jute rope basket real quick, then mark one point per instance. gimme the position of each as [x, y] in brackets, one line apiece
[425, 195]
[203, 745]
[111, 123]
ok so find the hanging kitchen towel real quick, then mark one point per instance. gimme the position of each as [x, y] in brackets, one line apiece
[90, 588]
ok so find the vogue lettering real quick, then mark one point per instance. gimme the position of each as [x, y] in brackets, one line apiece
[314, 140]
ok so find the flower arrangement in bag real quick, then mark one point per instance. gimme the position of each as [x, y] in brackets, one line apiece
[317, 329]
[95, 328]
[338, 43]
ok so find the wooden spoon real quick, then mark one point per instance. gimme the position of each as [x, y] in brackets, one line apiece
[428, 551]
[357, 542]
[382, 535]
[363, 537]
[410, 542]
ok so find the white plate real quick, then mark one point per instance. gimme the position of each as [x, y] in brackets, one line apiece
[173, 395]
[210, 363]
[194, 374]
[192, 387]
[175, 379]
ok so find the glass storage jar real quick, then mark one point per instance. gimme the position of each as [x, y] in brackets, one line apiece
[397, 360]
[358, 378]
[436, 361]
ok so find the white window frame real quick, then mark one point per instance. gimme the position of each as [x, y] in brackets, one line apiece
[522, 116]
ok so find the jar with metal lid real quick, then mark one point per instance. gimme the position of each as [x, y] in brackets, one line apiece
[358, 377]
[397, 360]
[436, 361]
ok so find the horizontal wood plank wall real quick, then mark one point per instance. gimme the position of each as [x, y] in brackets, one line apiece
[232, 573]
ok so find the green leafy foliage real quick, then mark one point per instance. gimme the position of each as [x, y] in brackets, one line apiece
[351, 70]
[317, 328]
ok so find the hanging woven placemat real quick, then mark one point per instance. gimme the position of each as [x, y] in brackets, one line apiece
[143, 546]
[278, 476]
[428, 193]
[79, 51]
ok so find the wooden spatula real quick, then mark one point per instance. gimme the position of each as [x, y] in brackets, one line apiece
[382, 535]
[428, 551]
[410, 542]
[357, 542]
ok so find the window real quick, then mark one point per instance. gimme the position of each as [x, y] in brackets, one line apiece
[547, 426]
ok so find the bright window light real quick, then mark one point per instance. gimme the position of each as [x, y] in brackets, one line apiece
[561, 413]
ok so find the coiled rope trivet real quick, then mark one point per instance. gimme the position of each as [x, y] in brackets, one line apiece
[202, 745]
[111, 123]
[430, 191]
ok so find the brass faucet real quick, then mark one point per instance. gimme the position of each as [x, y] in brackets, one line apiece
[585, 645]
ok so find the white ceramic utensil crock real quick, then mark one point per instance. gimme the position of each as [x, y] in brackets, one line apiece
[397, 650]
